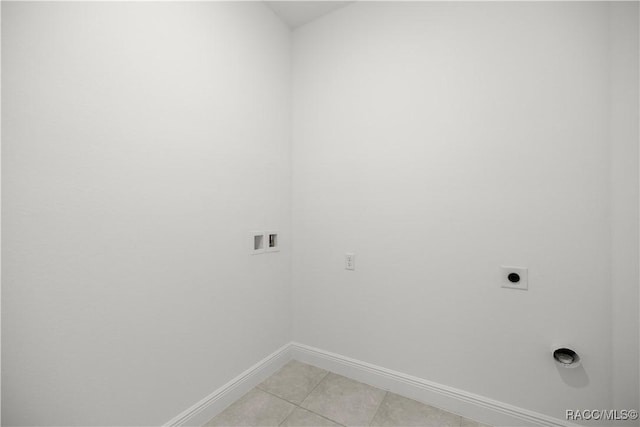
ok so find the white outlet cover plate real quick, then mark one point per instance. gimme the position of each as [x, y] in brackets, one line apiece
[250, 242]
[522, 284]
[350, 261]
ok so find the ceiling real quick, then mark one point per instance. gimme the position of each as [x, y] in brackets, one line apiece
[296, 13]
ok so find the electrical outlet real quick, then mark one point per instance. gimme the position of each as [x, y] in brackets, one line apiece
[350, 261]
[514, 277]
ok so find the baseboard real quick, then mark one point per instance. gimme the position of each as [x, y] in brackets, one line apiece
[460, 402]
[210, 406]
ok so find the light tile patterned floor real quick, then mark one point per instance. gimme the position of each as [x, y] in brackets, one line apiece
[303, 395]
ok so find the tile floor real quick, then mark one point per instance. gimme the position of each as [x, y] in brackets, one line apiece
[303, 395]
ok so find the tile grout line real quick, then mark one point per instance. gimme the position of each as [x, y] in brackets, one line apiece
[322, 416]
[287, 417]
[378, 408]
[309, 394]
[386, 392]
[315, 387]
[298, 405]
[279, 397]
[327, 418]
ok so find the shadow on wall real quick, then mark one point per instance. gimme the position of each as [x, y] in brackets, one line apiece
[574, 377]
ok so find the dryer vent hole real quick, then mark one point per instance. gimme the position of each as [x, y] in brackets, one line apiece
[513, 277]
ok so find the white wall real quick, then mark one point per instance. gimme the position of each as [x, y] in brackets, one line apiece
[439, 141]
[141, 141]
[624, 138]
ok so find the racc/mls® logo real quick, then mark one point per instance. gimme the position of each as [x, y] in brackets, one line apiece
[601, 414]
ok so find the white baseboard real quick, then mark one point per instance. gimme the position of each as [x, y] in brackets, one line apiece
[210, 406]
[460, 402]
